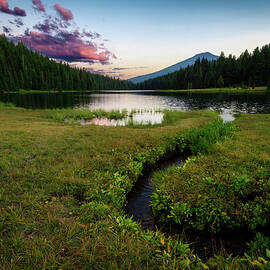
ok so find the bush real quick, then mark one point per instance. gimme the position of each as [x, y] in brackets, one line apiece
[199, 141]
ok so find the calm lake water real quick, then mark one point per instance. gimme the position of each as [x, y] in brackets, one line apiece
[227, 103]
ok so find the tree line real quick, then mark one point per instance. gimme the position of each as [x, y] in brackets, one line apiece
[248, 70]
[21, 68]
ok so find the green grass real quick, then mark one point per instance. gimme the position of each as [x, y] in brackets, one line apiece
[22, 91]
[170, 117]
[218, 90]
[6, 104]
[200, 141]
[71, 114]
[208, 90]
[63, 190]
[226, 188]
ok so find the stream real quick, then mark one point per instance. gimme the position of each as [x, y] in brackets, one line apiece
[204, 244]
[138, 200]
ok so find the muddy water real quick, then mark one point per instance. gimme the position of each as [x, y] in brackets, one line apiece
[138, 200]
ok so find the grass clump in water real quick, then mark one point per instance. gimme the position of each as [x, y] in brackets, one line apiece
[72, 114]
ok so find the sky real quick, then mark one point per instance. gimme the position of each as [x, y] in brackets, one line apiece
[124, 39]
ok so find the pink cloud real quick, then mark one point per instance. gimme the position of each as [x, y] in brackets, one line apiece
[47, 26]
[38, 5]
[66, 14]
[19, 12]
[65, 46]
[55, 38]
[5, 8]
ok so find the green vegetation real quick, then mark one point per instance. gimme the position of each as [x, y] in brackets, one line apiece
[6, 104]
[24, 92]
[220, 82]
[226, 188]
[248, 70]
[21, 68]
[199, 141]
[260, 89]
[70, 114]
[63, 190]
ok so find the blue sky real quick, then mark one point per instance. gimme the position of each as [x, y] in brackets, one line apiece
[145, 36]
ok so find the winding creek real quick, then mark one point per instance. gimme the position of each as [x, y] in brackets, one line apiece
[150, 103]
[138, 200]
[204, 244]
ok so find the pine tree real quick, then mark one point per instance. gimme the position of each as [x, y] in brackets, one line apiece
[268, 85]
[220, 82]
[21, 68]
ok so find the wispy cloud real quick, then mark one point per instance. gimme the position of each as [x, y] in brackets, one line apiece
[105, 72]
[4, 7]
[91, 34]
[6, 30]
[127, 68]
[17, 22]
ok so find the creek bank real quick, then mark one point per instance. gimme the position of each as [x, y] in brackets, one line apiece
[205, 244]
[139, 198]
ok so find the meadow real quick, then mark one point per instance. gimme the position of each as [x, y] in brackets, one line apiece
[63, 189]
[239, 89]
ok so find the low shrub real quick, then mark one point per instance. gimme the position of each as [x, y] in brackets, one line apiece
[199, 141]
[226, 188]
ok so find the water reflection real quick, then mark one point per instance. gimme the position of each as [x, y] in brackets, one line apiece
[227, 115]
[258, 102]
[138, 118]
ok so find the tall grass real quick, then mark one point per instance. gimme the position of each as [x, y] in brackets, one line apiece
[71, 114]
[7, 104]
[199, 141]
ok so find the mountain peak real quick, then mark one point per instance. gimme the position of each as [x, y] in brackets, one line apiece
[205, 55]
[188, 62]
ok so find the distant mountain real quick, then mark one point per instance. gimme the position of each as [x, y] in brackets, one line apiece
[183, 64]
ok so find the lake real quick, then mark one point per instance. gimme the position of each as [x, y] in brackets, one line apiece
[228, 103]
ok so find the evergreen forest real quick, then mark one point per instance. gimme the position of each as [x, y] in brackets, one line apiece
[21, 68]
[248, 70]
